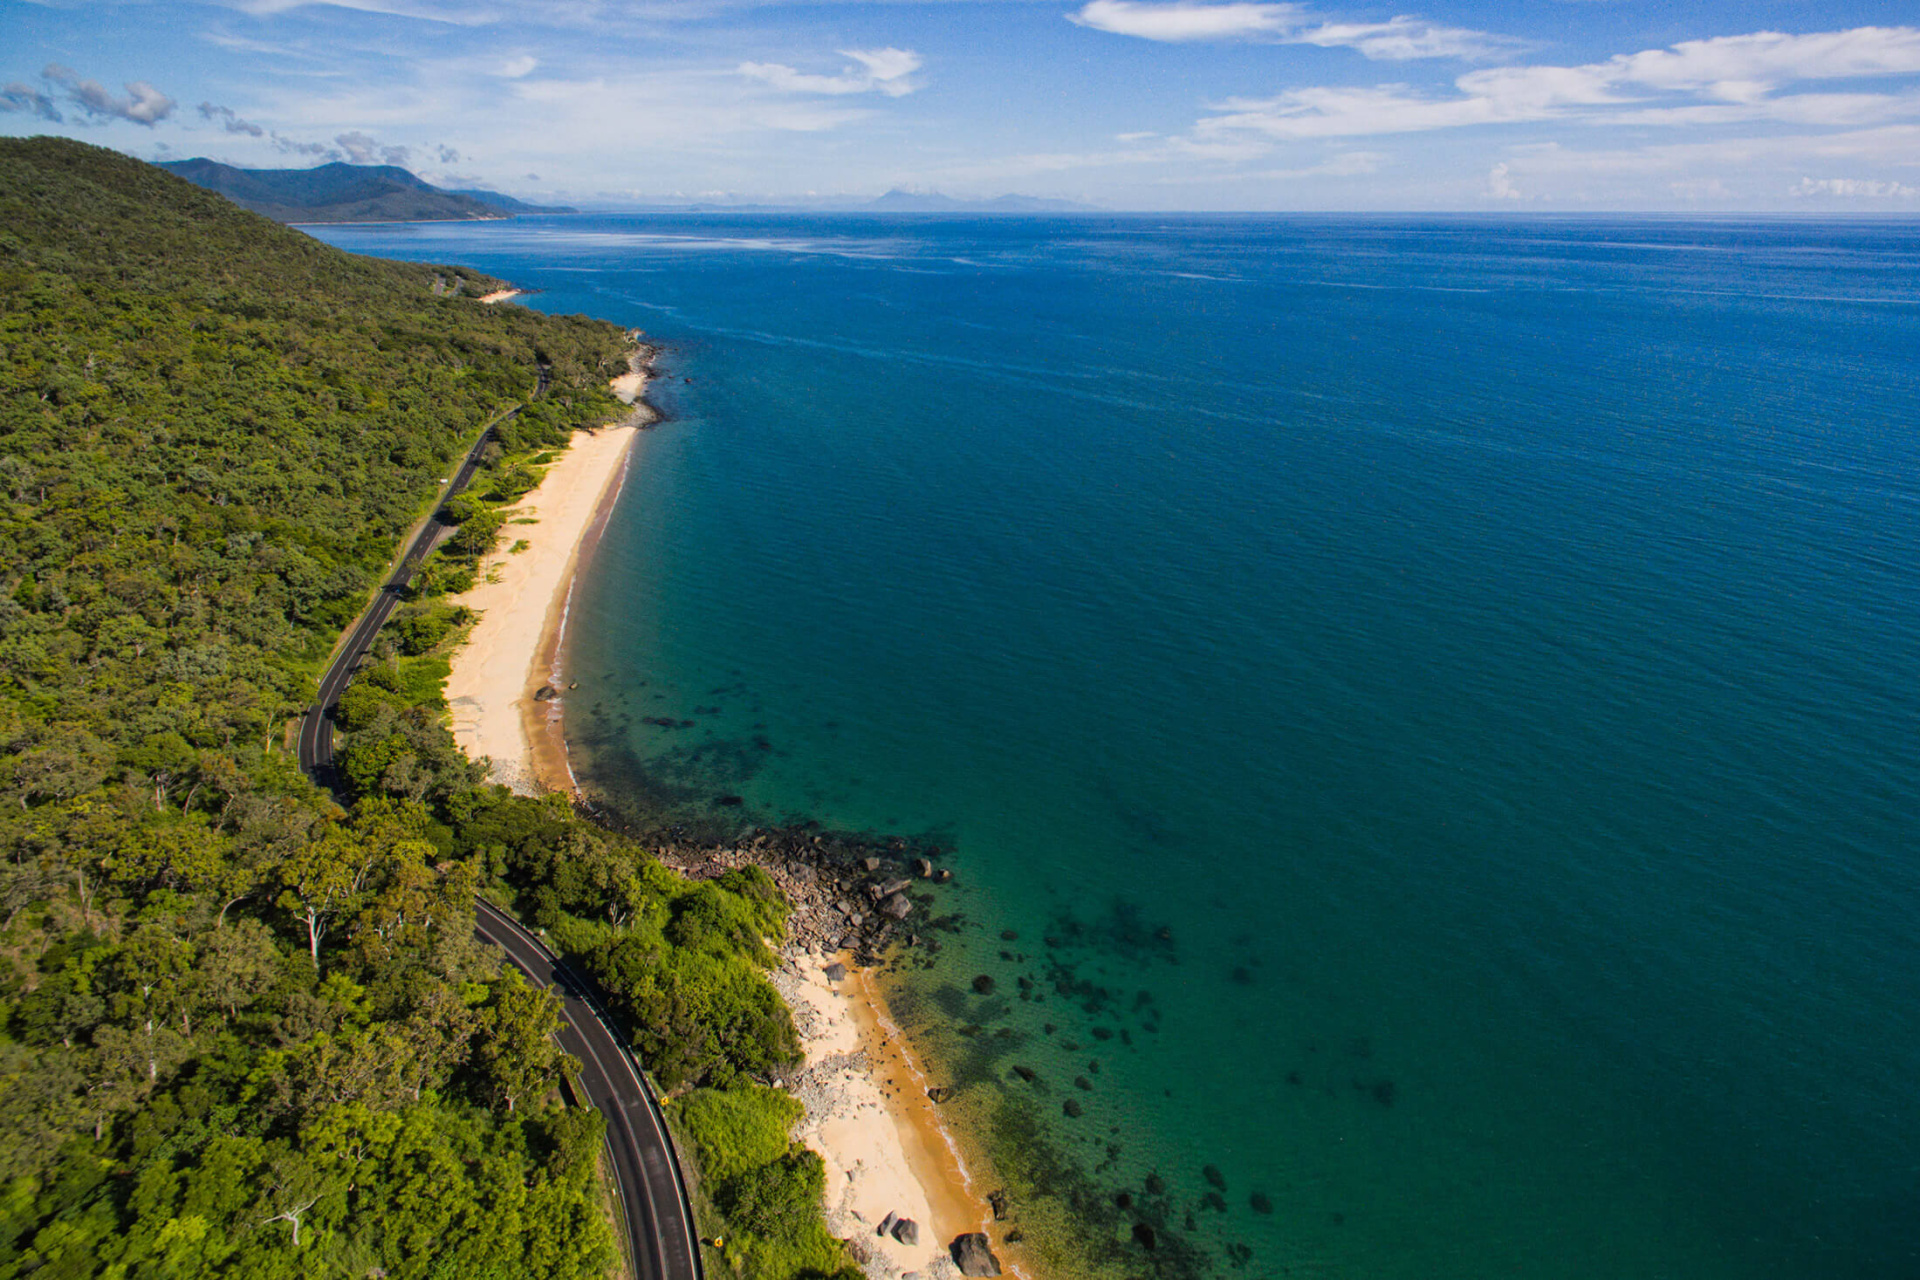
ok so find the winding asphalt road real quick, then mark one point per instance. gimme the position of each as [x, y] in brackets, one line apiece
[661, 1244]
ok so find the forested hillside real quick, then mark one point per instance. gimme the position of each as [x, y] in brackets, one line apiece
[242, 1030]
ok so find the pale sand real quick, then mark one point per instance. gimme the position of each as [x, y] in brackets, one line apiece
[868, 1116]
[628, 386]
[522, 601]
[501, 295]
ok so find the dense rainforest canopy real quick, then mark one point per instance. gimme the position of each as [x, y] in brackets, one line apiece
[244, 1030]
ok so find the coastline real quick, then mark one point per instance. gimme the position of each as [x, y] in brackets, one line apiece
[510, 657]
[868, 1111]
[869, 1118]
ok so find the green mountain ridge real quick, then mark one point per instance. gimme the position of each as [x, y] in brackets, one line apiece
[346, 193]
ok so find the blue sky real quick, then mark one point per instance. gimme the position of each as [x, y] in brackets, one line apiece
[1521, 105]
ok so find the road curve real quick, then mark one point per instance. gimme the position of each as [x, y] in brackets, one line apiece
[661, 1243]
[646, 1170]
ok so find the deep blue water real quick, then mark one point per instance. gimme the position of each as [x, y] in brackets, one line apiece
[1488, 649]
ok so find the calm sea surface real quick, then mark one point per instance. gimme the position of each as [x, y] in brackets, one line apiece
[1435, 700]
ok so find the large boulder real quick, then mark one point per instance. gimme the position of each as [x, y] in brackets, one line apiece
[897, 906]
[906, 1231]
[972, 1256]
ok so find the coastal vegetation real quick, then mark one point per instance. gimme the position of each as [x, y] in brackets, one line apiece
[245, 1028]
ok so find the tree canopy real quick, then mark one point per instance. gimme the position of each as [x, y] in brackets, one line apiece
[245, 1028]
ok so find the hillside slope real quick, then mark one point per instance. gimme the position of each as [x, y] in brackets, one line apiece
[344, 193]
[242, 1032]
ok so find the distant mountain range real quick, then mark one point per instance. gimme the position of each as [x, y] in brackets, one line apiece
[898, 201]
[348, 193]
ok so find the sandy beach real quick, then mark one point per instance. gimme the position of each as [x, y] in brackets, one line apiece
[521, 598]
[869, 1118]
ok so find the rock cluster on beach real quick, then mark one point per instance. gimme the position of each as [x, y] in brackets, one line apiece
[848, 893]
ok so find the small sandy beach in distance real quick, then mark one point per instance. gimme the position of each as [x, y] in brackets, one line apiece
[869, 1118]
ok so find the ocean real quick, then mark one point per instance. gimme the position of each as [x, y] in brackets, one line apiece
[1422, 711]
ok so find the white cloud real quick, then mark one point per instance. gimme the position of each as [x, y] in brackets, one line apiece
[143, 104]
[1500, 183]
[1335, 113]
[453, 14]
[1744, 68]
[1182, 22]
[514, 68]
[365, 148]
[1854, 189]
[1737, 76]
[1402, 39]
[887, 71]
[1396, 40]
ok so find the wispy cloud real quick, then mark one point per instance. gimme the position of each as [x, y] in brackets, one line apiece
[1729, 80]
[453, 14]
[24, 97]
[887, 71]
[1403, 39]
[1854, 189]
[1396, 40]
[230, 120]
[1181, 22]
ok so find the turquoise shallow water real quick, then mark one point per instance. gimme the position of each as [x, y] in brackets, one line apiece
[1486, 649]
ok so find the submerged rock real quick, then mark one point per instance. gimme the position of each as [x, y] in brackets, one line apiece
[983, 985]
[998, 1199]
[972, 1255]
[1072, 1109]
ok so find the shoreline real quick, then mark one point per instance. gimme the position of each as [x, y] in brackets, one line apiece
[502, 694]
[869, 1115]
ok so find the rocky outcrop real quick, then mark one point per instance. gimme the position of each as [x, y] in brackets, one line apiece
[973, 1256]
[849, 893]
